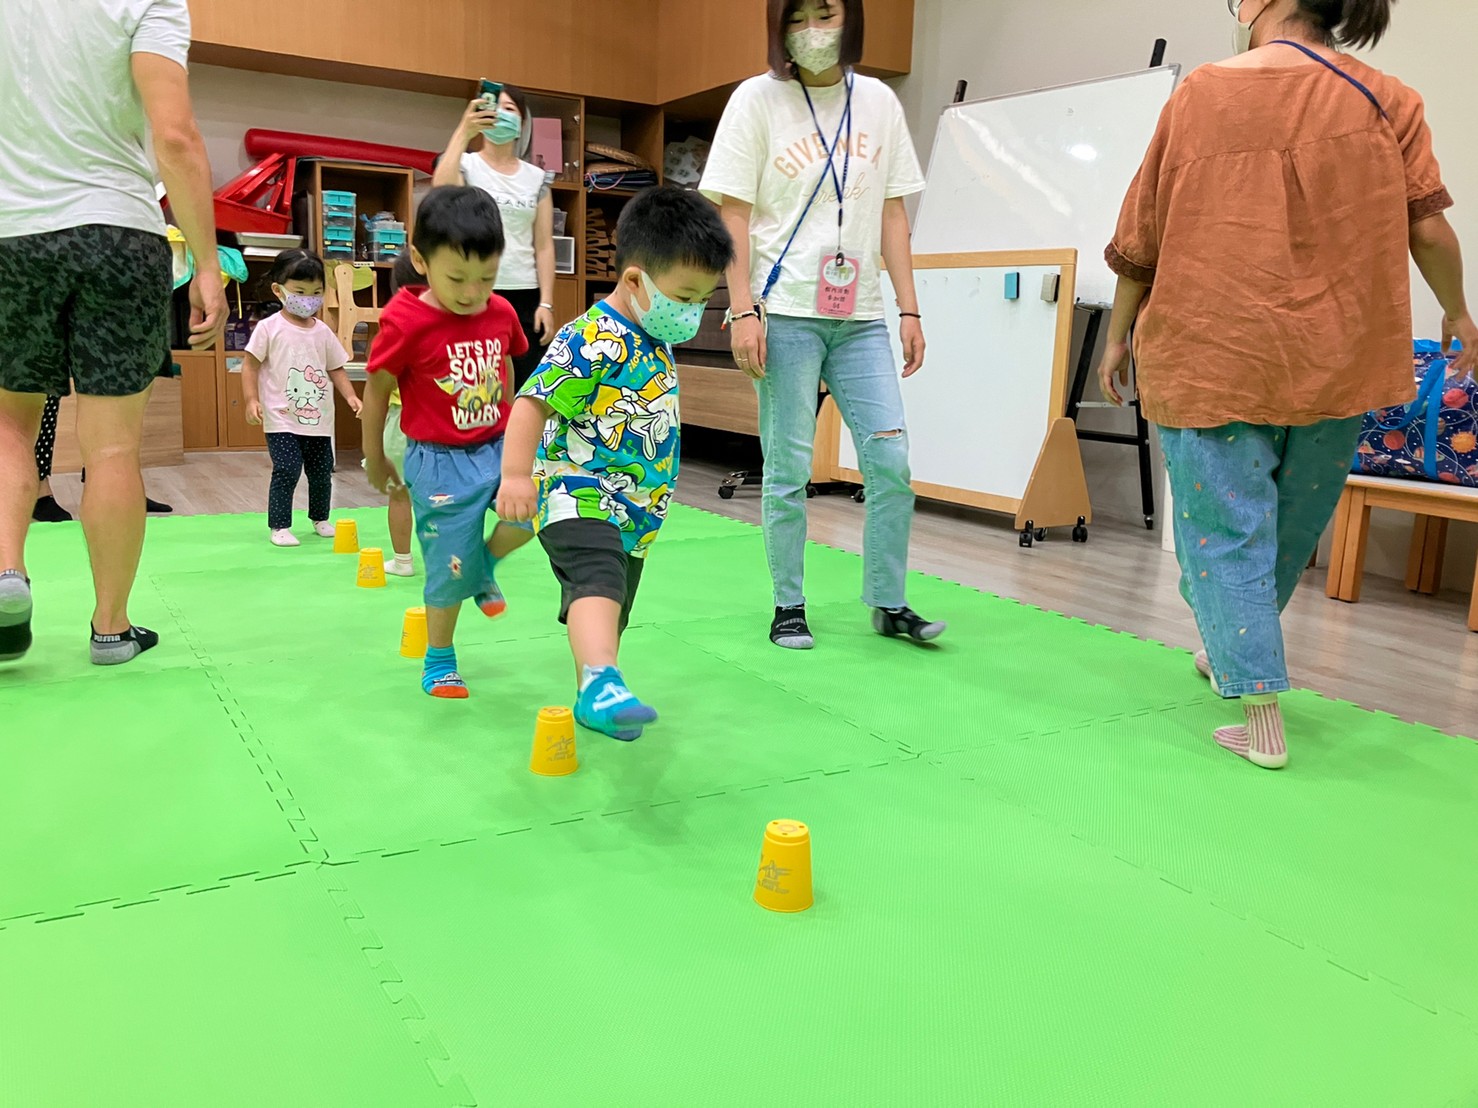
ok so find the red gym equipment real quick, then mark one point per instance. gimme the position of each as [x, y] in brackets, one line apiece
[260, 200]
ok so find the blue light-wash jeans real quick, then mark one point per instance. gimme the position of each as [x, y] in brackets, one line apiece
[1251, 503]
[855, 359]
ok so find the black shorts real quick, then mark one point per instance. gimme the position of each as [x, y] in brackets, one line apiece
[88, 305]
[589, 560]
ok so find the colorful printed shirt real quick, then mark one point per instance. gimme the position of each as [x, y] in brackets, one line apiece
[452, 369]
[611, 450]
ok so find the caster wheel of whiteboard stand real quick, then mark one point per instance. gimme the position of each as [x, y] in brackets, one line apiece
[1080, 532]
[810, 492]
[860, 496]
[726, 492]
[1149, 523]
[1040, 534]
[1025, 538]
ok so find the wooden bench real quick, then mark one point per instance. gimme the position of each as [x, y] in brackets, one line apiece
[1434, 505]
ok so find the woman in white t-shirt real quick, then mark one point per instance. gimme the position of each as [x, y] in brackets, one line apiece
[806, 289]
[526, 273]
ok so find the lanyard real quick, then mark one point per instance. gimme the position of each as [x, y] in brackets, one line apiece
[841, 184]
[1337, 71]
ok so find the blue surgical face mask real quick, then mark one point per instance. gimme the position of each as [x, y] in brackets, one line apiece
[507, 129]
[667, 320]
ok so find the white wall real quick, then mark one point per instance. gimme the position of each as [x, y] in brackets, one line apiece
[230, 102]
[1004, 46]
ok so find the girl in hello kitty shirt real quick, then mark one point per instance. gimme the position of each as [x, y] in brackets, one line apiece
[293, 364]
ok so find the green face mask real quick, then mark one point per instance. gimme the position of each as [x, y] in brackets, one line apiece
[667, 320]
[507, 129]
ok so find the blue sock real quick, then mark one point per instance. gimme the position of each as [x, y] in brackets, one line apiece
[492, 601]
[440, 677]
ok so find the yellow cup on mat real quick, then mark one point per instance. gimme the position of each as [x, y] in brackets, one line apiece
[413, 634]
[371, 568]
[554, 744]
[783, 883]
[346, 536]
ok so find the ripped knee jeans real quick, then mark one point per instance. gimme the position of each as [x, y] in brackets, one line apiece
[856, 361]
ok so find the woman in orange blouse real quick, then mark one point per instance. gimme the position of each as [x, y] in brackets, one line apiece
[1262, 250]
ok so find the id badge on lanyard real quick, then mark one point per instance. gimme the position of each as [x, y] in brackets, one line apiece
[837, 274]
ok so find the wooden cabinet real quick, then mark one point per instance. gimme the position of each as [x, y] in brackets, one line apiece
[240, 435]
[641, 51]
[199, 413]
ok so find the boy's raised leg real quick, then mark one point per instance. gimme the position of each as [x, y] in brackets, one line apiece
[605, 703]
[505, 539]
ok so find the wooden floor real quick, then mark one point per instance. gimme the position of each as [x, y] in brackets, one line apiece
[1395, 652]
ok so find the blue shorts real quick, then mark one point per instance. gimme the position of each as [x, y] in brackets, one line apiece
[452, 490]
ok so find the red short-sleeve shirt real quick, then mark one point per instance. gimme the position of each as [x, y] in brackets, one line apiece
[456, 385]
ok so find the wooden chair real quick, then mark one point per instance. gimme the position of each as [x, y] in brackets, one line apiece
[340, 310]
[1434, 505]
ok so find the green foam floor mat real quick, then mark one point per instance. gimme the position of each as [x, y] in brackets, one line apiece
[254, 994]
[119, 786]
[460, 768]
[1363, 849]
[258, 866]
[1042, 971]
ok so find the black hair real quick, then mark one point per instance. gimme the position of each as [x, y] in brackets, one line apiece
[403, 274]
[1348, 23]
[667, 226]
[520, 99]
[462, 218]
[778, 25]
[298, 265]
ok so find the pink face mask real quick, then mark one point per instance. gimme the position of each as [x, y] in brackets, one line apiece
[304, 307]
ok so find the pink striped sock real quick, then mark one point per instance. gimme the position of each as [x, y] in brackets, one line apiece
[1261, 740]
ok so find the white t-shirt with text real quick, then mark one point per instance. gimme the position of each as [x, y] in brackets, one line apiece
[768, 153]
[296, 393]
[518, 197]
[72, 126]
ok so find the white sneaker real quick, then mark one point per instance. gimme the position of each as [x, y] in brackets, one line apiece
[396, 568]
[284, 538]
[325, 529]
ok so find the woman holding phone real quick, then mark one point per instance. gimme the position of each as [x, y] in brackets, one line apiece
[484, 152]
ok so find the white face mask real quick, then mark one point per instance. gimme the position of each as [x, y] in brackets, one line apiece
[1242, 36]
[816, 49]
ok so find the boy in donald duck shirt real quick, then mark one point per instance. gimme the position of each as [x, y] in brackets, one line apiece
[449, 347]
[598, 426]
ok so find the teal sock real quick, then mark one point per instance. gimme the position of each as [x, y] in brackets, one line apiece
[439, 677]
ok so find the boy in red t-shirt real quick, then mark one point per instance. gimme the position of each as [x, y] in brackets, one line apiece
[450, 348]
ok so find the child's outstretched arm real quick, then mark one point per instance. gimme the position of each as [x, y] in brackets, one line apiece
[377, 467]
[251, 392]
[345, 388]
[517, 497]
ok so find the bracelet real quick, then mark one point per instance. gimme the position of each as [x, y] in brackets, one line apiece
[753, 313]
[910, 315]
[548, 307]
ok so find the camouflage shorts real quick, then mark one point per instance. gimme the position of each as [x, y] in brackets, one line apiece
[88, 305]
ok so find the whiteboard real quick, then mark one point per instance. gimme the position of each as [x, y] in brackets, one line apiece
[1042, 170]
[979, 409]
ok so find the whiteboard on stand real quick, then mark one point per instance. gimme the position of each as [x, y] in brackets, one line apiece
[980, 408]
[1042, 170]
[985, 414]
